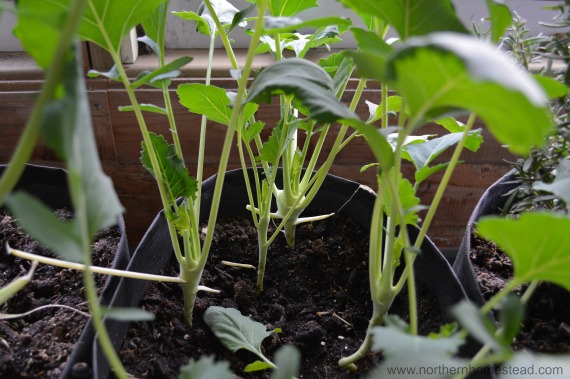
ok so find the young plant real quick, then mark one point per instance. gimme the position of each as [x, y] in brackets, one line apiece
[61, 115]
[436, 69]
[294, 80]
[163, 160]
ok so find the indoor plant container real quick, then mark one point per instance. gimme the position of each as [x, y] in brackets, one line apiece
[347, 198]
[49, 184]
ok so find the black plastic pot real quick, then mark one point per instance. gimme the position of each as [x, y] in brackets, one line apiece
[338, 195]
[49, 184]
[492, 201]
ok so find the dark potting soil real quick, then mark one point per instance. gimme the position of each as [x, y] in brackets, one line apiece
[38, 345]
[317, 293]
[546, 328]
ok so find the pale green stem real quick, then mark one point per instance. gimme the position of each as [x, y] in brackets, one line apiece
[382, 296]
[530, 291]
[481, 359]
[203, 129]
[79, 202]
[496, 299]
[166, 204]
[94, 269]
[196, 275]
[262, 6]
[263, 247]
[30, 135]
[444, 181]
[221, 31]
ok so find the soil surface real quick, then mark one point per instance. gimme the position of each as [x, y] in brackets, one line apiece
[317, 293]
[38, 345]
[546, 328]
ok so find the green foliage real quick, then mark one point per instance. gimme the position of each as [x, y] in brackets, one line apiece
[538, 244]
[205, 23]
[479, 327]
[236, 332]
[206, 368]
[209, 100]
[443, 72]
[288, 361]
[158, 77]
[393, 341]
[308, 82]
[286, 8]
[407, 200]
[67, 129]
[500, 16]
[510, 318]
[413, 17]
[172, 169]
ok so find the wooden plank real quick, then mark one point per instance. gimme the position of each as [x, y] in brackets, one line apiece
[15, 108]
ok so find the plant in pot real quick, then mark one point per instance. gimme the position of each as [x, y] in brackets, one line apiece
[61, 117]
[398, 68]
[531, 196]
[424, 94]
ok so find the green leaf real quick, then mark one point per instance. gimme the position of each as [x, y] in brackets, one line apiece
[553, 88]
[422, 154]
[112, 74]
[236, 331]
[274, 25]
[560, 186]
[257, 366]
[392, 341]
[288, 360]
[286, 8]
[444, 71]
[511, 317]
[209, 100]
[38, 29]
[146, 108]
[155, 27]
[172, 169]
[394, 104]
[272, 150]
[206, 368]
[127, 314]
[67, 129]
[307, 81]
[500, 16]
[427, 171]
[170, 70]
[106, 22]
[204, 25]
[537, 243]
[252, 130]
[377, 141]
[224, 10]
[408, 201]
[479, 327]
[370, 41]
[40, 222]
[412, 17]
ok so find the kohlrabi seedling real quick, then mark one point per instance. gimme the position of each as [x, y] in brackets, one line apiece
[61, 115]
[435, 69]
[293, 80]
